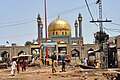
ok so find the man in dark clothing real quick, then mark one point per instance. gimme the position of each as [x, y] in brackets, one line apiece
[63, 65]
[53, 57]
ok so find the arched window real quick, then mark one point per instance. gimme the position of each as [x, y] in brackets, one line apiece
[53, 33]
[65, 33]
[56, 33]
[62, 33]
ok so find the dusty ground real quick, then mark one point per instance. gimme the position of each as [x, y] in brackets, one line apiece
[72, 73]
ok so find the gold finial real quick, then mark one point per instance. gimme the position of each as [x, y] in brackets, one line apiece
[38, 15]
[58, 16]
[79, 14]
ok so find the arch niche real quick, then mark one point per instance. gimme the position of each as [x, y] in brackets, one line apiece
[75, 53]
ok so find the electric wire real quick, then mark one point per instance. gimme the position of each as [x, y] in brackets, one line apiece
[116, 24]
[20, 22]
[19, 35]
[113, 30]
[26, 21]
[69, 10]
[15, 24]
[89, 11]
[109, 32]
[53, 14]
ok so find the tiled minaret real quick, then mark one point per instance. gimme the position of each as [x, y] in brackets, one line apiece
[40, 28]
[80, 24]
[76, 28]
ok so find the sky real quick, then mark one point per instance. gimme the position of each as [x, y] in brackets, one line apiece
[18, 18]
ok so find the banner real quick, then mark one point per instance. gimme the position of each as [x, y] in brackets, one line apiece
[48, 44]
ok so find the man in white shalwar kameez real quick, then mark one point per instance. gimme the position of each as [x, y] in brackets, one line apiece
[85, 61]
[13, 67]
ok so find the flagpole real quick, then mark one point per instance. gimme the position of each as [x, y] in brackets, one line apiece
[46, 26]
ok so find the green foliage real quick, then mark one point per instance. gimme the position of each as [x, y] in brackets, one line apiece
[28, 43]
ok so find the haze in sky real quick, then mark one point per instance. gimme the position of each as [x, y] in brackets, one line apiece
[18, 18]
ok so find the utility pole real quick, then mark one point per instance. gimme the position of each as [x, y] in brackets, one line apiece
[102, 38]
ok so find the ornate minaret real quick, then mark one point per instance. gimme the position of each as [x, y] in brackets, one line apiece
[76, 28]
[40, 28]
[80, 24]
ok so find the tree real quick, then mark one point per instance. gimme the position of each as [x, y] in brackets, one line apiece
[28, 43]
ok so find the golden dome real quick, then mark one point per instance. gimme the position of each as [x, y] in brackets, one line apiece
[59, 27]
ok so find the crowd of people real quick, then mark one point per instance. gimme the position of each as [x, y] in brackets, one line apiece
[18, 64]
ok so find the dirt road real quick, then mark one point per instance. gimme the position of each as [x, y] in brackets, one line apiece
[45, 73]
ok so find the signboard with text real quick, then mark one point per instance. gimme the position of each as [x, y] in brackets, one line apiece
[48, 44]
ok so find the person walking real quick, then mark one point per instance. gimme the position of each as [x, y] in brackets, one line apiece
[18, 66]
[53, 63]
[63, 65]
[13, 67]
[23, 65]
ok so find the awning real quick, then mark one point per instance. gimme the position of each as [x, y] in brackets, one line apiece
[93, 51]
[63, 51]
[25, 55]
[112, 46]
[89, 52]
[62, 45]
[15, 57]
